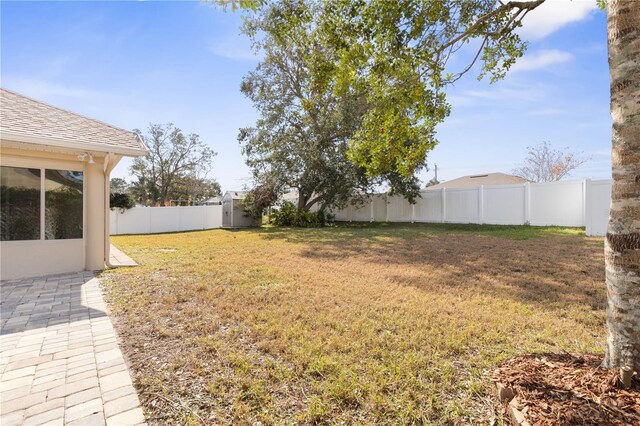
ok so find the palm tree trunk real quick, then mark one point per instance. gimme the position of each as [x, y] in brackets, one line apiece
[622, 246]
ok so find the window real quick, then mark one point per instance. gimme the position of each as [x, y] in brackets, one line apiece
[25, 190]
[19, 203]
[63, 204]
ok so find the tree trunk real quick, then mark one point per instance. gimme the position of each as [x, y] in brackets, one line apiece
[622, 246]
[302, 200]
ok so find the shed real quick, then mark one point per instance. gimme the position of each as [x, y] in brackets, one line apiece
[233, 214]
[54, 187]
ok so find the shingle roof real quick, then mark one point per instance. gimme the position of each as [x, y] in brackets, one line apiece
[236, 195]
[475, 181]
[27, 120]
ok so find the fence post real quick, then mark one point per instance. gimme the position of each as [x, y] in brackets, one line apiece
[443, 197]
[371, 217]
[386, 206]
[481, 205]
[586, 201]
[413, 213]
[527, 203]
[148, 220]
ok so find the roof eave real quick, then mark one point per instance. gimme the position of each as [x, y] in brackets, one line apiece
[80, 146]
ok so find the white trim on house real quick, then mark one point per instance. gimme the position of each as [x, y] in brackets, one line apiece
[74, 145]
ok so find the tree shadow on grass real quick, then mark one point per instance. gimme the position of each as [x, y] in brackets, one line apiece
[554, 266]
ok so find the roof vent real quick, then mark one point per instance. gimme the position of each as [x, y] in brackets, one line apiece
[477, 176]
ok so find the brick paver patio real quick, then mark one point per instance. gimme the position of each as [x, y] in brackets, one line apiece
[59, 358]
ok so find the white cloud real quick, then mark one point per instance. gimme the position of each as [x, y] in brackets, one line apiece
[553, 15]
[541, 59]
[520, 93]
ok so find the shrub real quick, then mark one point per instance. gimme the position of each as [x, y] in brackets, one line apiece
[121, 200]
[257, 200]
[289, 215]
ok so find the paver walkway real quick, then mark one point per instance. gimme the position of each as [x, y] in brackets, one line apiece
[118, 258]
[59, 358]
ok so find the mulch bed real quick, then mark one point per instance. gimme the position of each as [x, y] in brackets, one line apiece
[568, 389]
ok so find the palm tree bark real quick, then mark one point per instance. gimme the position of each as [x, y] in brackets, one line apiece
[622, 246]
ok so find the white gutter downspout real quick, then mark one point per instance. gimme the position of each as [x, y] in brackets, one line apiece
[108, 159]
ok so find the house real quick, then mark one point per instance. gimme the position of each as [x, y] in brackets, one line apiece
[475, 181]
[233, 214]
[54, 178]
[215, 201]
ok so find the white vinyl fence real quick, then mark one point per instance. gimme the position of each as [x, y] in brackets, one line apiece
[150, 220]
[569, 203]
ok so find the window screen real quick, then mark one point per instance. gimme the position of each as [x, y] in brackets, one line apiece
[19, 203]
[63, 204]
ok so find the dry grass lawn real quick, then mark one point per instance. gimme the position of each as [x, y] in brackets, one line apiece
[385, 324]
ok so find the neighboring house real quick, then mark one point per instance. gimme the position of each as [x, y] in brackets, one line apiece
[215, 201]
[233, 214]
[54, 177]
[475, 181]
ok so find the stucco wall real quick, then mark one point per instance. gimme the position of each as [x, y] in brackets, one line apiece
[21, 259]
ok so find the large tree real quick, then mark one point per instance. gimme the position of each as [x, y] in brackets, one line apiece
[301, 139]
[398, 51]
[119, 185]
[193, 189]
[622, 247]
[174, 162]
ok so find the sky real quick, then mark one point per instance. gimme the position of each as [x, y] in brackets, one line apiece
[134, 63]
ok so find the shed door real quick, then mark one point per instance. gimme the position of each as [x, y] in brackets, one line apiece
[226, 213]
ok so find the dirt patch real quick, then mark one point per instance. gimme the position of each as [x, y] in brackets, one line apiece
[569, 389]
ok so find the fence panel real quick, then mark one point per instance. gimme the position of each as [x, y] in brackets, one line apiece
[132, 221]
[164, 219]
[557, 203]
[191, 218]
[341, 215]
[428, 208]
[213, 217]
[504, 205]
[379, 207]
[462, 206]
[598, 206]
[399, 209]
[149, 220]
[361, 212]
